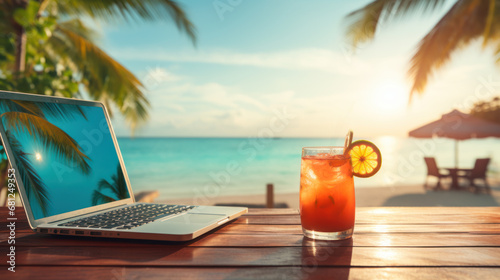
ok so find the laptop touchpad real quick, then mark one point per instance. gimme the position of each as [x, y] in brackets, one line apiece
[196, 219]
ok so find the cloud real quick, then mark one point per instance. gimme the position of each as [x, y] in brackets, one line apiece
[182, 107]
[308, 58]
[185, 107]
[154, 77]
[324, 105]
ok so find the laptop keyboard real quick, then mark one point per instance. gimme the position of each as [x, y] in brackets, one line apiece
[128, 217]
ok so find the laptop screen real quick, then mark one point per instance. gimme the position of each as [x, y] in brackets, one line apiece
[65, 155]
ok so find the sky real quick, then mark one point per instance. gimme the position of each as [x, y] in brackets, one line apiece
[284, 68]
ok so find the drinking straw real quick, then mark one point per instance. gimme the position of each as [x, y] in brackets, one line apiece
[348, 140]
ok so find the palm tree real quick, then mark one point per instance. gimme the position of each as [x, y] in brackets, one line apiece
[21, 117]
[117, 187]
[46, 34]
[46, 48]
[464, 22]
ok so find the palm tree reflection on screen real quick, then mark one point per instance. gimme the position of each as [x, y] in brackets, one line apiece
[23, 117]
[117, 187]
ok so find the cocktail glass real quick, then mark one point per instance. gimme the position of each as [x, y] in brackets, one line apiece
[327, 202]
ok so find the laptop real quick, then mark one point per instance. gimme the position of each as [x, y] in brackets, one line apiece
[72, 179]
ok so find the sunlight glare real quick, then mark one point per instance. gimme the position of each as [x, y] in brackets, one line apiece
[38, 156]
[386, 254]
[390, 98]
[387, 143]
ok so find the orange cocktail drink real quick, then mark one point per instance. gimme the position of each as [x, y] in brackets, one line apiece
[327, 203]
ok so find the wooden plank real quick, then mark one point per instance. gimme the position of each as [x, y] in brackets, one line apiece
[18, 234]
[259, 240]
[395, 243]
[362, 229]
[281, 230]
[20, 225]
[274, 211]
[373, 214]
[269, 220]
[215, 273]
[428, 210]
[380, 212]
[418, 216]
[377, 219]
[295, 220]
[260, 229]
[395, 214]
[363, 216]
[267, 256]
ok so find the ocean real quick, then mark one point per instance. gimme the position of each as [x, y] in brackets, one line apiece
[188, 167]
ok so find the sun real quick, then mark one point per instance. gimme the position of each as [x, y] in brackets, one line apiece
[38, 156]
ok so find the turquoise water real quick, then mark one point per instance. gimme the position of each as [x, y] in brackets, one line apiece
[187, 167]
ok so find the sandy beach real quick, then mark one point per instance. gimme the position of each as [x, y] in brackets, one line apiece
[398, 195]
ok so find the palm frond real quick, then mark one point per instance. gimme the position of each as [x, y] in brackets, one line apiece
[106, 78]
[464, 22]
[489, 21]
[118, 188]
[67, 112]
[51, 136]
[43, 109]
[130, 10]
[365, 21]
[31, 180]
[78, 27]
[21, 106]
[98, 198]
[103, 185]
[120, 183]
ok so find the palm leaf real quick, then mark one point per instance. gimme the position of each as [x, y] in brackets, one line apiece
[61, 112]
[489, 21]
[365, 21]
[464, 22]
[31, 180]
[129, 10]
[51, 136]
[106, 78]
[120, 183]
[103, 184]
[118, 188]
[21, 106]
[43, 109]
[98, 198]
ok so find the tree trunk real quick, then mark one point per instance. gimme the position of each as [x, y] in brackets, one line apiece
[20, 50]
[20, 65]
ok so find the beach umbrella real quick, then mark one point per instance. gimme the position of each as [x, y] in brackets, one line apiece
[459, 126]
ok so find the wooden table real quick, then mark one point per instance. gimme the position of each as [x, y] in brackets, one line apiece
[454, 173]
[388, 243]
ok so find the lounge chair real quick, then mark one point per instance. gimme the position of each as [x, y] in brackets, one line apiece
[433, 170]
[478, 172]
